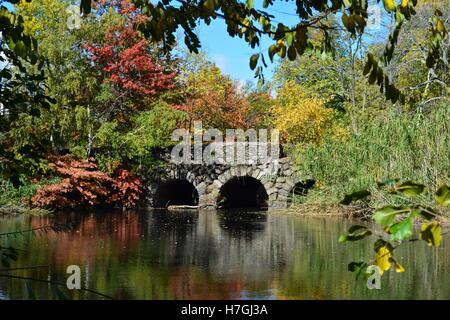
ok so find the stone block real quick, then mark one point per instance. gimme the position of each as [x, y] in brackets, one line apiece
[201, 188]
[210, 188]
[217, 184]
[281, 179]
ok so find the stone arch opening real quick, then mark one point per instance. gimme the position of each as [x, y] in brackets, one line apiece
[299, 191]
[176, 192]
[243, 192]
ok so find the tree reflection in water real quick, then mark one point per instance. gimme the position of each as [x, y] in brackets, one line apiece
[213, 255]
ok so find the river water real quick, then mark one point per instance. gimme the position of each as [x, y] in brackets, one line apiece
[210, 255]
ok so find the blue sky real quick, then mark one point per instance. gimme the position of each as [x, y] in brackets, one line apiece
[232, 55]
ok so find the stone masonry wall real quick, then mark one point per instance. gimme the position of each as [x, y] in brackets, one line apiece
[278, 179]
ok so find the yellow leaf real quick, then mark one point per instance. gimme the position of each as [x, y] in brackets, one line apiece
[398, 267]
[431, 233]
[382, 259]
[389, 5]
[440, 26]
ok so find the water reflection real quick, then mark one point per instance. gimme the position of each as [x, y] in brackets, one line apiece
[214, 255]
[240, 223]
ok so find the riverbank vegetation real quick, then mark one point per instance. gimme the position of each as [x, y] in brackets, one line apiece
[108, 94]
[353, 137]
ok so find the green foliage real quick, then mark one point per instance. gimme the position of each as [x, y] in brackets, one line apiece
[21, 66]
[324, 77]
[20, 196]
[69, 80]
[22, 83]
[149, 129]
[355, 233]
[397, 224]
[252, 23]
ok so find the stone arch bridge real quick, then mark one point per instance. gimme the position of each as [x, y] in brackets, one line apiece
[221, 185]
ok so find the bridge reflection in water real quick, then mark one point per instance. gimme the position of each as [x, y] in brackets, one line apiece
[214, 255]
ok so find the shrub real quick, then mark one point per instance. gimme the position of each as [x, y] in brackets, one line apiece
[84, 185]
[81, 185]
[126, 189]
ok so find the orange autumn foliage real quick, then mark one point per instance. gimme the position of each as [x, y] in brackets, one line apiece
[83, 185]
[126, 189]
[214, 99]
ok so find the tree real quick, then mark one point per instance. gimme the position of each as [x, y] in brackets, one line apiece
[325, 77]
[213, 98]
[130, 71]
[254, 23]
[116, 145]
[22, 85]
[422, 78]
[69, 79]
[302, 118]
[102, 65]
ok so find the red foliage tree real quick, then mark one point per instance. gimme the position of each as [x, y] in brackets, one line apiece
[125, 61]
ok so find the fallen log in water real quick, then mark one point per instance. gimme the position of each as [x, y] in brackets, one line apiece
[182, 207]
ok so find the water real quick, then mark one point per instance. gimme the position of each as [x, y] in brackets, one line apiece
[212, 255]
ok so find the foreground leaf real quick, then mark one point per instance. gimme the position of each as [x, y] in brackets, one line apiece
[442, 196]
[424, 213]
[431, 233]
[355, 233]
[254, 61]
[383, 255]
[389, 5]
[385, 216]
[397, 266]
[410, 189]
[383, 259]
[402, 230]
[357, 267]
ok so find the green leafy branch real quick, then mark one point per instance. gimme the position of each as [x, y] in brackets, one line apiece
[397, 223]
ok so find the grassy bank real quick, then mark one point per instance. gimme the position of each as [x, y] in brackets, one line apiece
[413, 146]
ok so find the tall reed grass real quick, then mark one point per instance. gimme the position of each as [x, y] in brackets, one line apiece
[408, 146]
